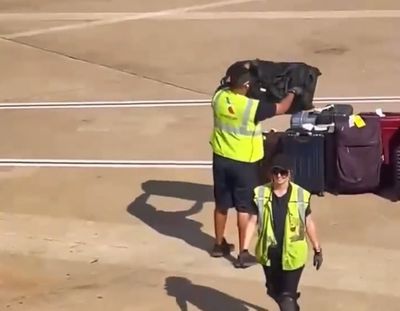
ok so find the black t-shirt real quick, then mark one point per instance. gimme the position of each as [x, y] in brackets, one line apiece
[279, 210]
[264, 111]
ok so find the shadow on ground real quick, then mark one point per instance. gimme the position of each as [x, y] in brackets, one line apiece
[176, 224]
[203, 297]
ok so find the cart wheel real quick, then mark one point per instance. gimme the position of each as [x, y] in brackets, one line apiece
[321, 194]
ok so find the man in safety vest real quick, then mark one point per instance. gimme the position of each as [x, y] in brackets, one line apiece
[237, 145]
[284, 221]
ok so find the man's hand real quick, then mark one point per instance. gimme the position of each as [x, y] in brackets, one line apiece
[297, 90]
[318, 258]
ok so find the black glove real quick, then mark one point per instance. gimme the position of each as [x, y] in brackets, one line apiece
[297, 90]
[318, 259]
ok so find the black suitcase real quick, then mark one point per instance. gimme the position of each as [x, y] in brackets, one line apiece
[307, 151]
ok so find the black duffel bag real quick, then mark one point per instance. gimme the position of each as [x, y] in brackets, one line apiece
[272, 80]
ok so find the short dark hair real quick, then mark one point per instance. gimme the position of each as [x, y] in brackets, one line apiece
[237, 75]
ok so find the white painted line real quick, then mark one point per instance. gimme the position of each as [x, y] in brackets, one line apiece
[105, 163]
[177, 103]
[278, 15]
[85, 106]
[124, 18]
[64, 16]
[83, 161]
[140, 102]
[357, 98]
[184, 14]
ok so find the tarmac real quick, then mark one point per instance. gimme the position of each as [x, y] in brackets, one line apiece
[91, 238]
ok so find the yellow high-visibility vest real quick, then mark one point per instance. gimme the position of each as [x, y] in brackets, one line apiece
[235, 135]
[295, 247]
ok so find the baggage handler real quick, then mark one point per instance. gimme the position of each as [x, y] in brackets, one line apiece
[237, 145]
[284, 221]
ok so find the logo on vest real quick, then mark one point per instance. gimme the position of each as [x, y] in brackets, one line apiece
[230, 108]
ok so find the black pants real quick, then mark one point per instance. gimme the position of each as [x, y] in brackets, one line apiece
[279, 281]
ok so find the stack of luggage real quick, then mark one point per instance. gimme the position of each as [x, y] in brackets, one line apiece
[337, 151]
[333, 149]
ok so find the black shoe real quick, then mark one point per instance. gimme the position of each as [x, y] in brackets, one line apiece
[222, 249]
[245, 260]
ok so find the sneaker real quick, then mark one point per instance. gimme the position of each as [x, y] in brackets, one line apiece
[245, 260]
[223, 249]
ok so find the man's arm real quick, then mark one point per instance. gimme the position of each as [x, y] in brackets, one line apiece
[267, 110]
[285, 104]
[264, 111]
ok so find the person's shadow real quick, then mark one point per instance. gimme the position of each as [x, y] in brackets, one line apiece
[176, 223]
[204, 298]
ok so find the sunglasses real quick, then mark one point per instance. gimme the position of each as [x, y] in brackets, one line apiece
[282, 172]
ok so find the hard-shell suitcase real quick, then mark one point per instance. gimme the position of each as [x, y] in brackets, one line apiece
[356, 156]
[307, 151]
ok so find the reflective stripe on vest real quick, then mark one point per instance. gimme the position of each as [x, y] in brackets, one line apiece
[242, 130]
[294, 227]
[302, 213]
[235, 134]
[260, 205]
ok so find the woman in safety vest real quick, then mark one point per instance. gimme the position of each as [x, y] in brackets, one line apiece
[284, 218]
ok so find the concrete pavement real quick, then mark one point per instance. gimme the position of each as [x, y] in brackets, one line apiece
[137, 239]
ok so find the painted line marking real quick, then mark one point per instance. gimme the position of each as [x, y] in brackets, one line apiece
[64, 16]
[178, 103]
[82, 163]
[186, 14]
[277, 15]
[124, 18]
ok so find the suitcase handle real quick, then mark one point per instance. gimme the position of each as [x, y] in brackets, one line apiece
[303, 138]
[299, 132]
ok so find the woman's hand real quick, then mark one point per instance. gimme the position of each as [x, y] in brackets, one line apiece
[318, 259]
[312, 235]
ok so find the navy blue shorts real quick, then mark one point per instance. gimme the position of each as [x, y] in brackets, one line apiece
[234, 184]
